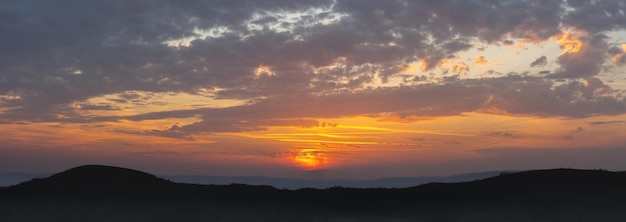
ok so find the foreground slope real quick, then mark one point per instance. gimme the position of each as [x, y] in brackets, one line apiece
[117, 194]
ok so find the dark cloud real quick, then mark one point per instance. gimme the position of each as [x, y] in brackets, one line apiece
[568, 137]
[512, 94]
[502, 134]
[619, 56]
[606, 122]
[541, 61]
[98, 107]
[174, 132]
[64, 52]
[508, 42]
[579, 129]
[584, 56]
[596, 16]
[544, 72]
[614, 51]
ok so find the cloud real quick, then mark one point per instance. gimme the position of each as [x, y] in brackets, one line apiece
[606, 122]
[502, 134]
[619, 55]
[595, 16]
[511, 95]
[244, 124]
[568, 137]
[98, 107]
[578, 130]
[480, 61]
[539, 62]
[459, 68]
[174, 132]
[582, 55]
[63, 54]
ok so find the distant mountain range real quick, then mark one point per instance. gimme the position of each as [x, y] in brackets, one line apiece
[292, 184]
[13, 178]
[105, 193]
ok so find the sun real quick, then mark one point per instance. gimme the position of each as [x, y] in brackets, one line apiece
[311, 158]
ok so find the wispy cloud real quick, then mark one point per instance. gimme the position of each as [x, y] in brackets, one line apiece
[606, 122]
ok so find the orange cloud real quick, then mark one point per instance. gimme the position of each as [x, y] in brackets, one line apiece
[480, 61]
[448, 66]
[620, 58]
[570, 42]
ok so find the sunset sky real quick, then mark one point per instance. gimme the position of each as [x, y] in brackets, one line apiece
[355, 89]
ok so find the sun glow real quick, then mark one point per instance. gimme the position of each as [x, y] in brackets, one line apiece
[311, 158]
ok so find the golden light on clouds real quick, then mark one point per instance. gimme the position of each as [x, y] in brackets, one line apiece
[480, 61]
[570, 42]
[263, 71]
[334, 80]
[140, 102]
[311, 158]
[413, 68]
[620, 58]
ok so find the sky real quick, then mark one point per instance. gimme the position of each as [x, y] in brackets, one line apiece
[321, 89]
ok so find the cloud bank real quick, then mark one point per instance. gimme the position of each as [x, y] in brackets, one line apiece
[296, 61]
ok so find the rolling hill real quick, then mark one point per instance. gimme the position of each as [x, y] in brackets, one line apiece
[117, 194]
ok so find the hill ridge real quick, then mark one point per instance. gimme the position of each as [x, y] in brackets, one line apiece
[550, 195]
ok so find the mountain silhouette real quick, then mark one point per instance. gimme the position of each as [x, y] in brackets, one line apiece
[546, 186]
[296, 183]
[540, 195]
[93, 180]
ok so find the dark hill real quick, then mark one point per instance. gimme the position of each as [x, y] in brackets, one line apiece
[554, 184]
[109, 175]
[541, 195]
[93, 180]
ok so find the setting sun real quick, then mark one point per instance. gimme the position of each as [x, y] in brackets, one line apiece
[281, 89]
[310, 158]
[311, 93]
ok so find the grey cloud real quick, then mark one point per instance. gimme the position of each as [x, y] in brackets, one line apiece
[544, 72]
[568, 137]
[491, 20]
[130, 96]
[614, 50]
[98, 107]
[541, 61]
[619, 56]
[455, 46]
[586, 62]
[174, 132]
[63, 52]
[579, 129]
[511, 94]
[503, 134]
[596, 16]
[596, 123]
